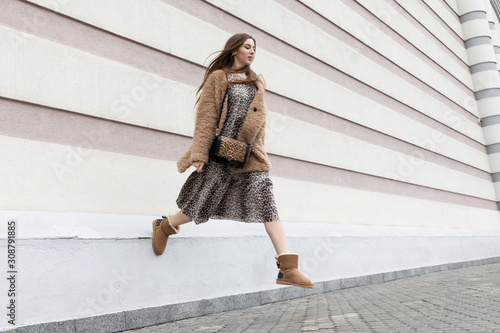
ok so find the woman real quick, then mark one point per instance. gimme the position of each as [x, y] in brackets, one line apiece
[223, 192]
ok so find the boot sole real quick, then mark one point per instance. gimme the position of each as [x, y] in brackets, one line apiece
[290, 283]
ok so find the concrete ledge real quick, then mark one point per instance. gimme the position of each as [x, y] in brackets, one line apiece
[126, 320]
[97, 272]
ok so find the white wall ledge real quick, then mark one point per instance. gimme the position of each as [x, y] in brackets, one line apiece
[67, 225]
[81, 268]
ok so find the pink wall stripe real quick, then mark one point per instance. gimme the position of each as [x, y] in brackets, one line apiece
[39, 123]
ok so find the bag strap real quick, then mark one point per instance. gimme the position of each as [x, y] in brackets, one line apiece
[221, 107]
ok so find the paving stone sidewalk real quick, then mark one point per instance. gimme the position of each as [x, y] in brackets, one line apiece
[461, 300]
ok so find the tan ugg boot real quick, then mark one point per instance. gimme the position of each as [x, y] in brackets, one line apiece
[161, 230]
[288, 264]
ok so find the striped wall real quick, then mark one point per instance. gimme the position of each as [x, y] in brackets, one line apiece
[373, 114]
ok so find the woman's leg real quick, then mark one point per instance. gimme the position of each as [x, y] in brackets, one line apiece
[288, 263]
[278, 238]
[179, 218]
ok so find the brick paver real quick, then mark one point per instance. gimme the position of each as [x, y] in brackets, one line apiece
[461, 300]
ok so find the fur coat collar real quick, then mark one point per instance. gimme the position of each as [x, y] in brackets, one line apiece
[207, 113]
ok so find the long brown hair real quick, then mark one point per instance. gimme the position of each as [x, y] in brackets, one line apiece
[225, 60]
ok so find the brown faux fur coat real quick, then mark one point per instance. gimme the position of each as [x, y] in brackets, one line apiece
[252, 132]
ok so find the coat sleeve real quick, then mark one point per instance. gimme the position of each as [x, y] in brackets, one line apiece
[206, 118]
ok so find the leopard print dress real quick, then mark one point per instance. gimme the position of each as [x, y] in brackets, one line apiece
[217, 192]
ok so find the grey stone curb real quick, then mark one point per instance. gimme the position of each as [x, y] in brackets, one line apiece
[127, 320]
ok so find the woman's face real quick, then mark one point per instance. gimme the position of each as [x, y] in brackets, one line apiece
[245, 54]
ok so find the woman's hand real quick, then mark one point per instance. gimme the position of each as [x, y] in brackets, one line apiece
[199, 166]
